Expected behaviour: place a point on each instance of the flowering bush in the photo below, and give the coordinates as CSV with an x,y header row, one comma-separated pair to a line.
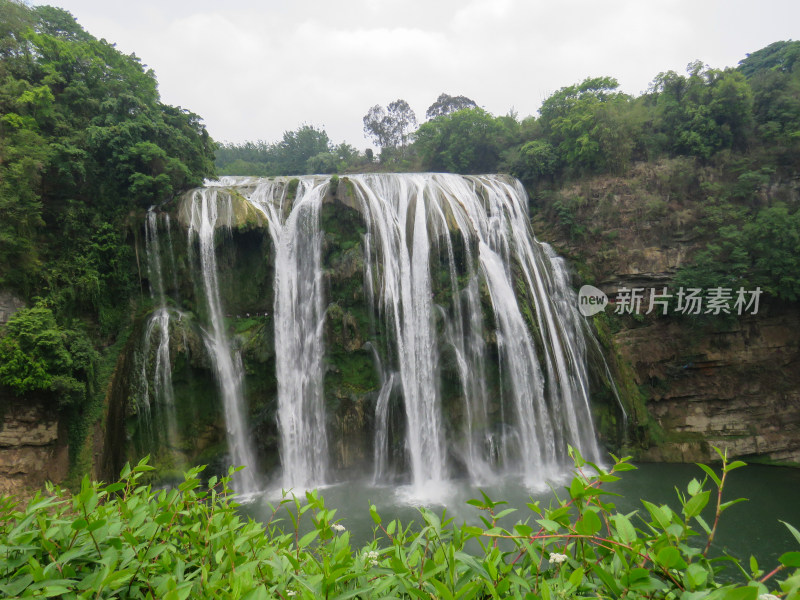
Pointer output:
x,y
126,540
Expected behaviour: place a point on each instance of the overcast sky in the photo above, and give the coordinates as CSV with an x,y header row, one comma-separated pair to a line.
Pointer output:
x,y
254,69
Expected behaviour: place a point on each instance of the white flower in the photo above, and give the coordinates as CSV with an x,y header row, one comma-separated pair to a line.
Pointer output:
x,y
291,593
337,527
768,597
557,558
374,563
372,555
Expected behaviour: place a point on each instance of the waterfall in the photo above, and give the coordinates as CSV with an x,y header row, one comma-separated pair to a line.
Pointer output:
x,y
156,382
545,381
204,220
395,211
299,320
476,334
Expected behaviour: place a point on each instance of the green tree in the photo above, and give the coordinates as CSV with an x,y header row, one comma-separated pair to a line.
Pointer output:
x,y
778,56
584,124
446,104
466,141
708,111
533,161
391,127
297,147
36,355
772,240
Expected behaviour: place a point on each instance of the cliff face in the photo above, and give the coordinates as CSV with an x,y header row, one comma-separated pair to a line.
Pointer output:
x,y
32,447
731,382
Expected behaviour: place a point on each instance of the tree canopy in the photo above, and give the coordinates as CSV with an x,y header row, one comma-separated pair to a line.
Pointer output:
x,y
391,127
83,139
446,104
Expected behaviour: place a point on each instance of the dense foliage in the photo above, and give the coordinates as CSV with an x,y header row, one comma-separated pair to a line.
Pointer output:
x,y
85,146
302,151
36,354
83,140
126,540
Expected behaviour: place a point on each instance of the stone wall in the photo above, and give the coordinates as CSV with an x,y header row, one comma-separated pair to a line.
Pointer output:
x,y
30,450
738,387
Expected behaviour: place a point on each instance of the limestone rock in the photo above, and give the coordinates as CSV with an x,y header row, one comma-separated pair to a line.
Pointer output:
x,y
30,452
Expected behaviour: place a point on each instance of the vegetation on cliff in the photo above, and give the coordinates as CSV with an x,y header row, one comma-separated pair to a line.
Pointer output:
x,y
85,140
84,143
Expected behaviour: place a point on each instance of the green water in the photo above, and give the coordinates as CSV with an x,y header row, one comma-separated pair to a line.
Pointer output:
x,y
746,528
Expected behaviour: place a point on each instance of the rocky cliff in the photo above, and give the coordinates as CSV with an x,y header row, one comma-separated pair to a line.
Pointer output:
x,y
32,446
730,381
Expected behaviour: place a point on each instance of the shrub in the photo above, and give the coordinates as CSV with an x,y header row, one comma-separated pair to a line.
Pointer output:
x,y
127,540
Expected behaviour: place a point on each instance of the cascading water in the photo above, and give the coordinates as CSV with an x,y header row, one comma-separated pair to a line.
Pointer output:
x,y
476,333
395,212
203,221
156,380
299,321
546,382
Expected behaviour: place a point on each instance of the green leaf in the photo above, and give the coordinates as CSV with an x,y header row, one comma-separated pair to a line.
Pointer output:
x,y
523,529
576,577
308,538
257,593
703,524
696,504
576,488
55,590
607,578
670,557
742,593
622,467
95,525
589,524
715,478
549,525
658,513
793,530
730,503
753,564
442,590
735,465
363,592
790,559
373,511
504,513
696,576
625,530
